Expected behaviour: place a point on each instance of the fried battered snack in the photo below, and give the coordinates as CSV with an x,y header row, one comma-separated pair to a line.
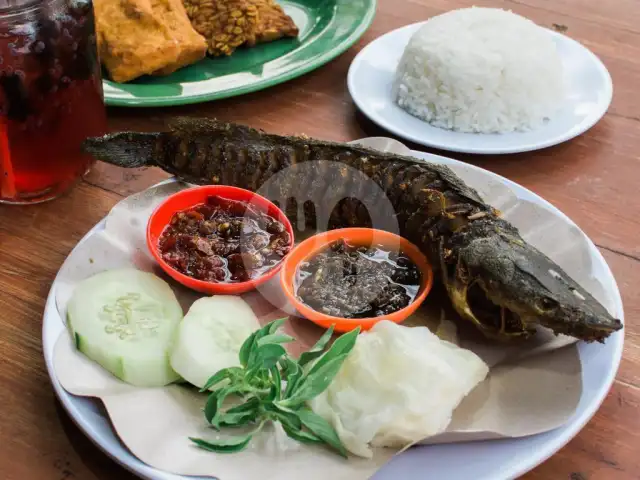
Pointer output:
x,y
139,37
132,41
226,24
192,45
273,23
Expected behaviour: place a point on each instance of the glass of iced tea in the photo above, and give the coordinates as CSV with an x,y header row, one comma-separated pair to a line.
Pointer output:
x,y
50,96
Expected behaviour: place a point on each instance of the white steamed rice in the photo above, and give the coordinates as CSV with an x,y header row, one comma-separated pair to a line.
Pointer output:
x,y
480,70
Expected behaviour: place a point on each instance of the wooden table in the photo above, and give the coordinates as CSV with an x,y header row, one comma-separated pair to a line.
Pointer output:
x,y
593,179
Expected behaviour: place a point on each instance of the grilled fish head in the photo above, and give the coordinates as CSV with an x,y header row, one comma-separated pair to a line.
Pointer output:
x,y
507,287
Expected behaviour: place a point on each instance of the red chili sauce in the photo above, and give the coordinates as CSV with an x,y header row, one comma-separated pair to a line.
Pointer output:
x,y
224,240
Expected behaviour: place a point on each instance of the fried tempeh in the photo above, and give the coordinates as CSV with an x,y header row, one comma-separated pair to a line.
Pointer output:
x,y
273,23
225,24
228,24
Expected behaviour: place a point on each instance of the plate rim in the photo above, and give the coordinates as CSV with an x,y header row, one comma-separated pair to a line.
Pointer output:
x,y
573,426
585,125
261,84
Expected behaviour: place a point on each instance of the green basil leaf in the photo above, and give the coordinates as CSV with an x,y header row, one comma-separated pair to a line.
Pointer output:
x,y
258,383
211,407
252,403
247,348
277,381
315,351
266,356
288,366
276,385
214,402
249,345
224,374
230,445
239,419
241,415
342,346
292,384
261,379
285,417
275,338
271,396
292,372
275,325
313,384
322,429
301,435
266,329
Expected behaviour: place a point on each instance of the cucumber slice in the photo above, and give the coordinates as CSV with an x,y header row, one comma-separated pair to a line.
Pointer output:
x,y
210,337
125,320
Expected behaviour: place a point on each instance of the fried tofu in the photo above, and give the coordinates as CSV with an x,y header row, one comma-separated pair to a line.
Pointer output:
x,y
192,45
139,37
132,41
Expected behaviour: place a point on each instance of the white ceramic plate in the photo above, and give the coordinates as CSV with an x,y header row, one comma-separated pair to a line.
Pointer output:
x,y
588,97
492,460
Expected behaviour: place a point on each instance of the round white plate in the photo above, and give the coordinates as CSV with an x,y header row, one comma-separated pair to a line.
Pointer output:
x,y
589,92
491,460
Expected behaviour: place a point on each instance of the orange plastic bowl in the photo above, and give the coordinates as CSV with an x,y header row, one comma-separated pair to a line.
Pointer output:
x,y
191,197
354,236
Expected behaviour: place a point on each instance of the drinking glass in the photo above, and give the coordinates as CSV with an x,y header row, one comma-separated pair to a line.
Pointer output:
x,y
50,96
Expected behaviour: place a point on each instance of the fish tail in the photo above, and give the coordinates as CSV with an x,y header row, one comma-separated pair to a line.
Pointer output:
x,y
127,149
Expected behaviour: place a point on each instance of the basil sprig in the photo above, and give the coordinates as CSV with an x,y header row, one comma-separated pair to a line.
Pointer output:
x,y
271,386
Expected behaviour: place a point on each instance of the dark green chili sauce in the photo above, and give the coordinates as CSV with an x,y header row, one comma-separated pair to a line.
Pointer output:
x,y
351,281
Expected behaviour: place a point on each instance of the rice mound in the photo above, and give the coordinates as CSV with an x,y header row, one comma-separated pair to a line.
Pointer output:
x,y
482,70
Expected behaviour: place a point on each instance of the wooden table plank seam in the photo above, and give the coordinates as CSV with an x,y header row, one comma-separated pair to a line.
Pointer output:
x,y
626,117
627,384
574,16
618,252
105,189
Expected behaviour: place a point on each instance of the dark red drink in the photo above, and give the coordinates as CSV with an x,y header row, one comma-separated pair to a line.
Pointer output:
x,y
50,96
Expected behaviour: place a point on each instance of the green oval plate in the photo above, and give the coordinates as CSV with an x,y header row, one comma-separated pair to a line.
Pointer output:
x,y
327,29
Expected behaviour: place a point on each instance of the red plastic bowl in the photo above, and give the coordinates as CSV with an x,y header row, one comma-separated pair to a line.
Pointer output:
x,y
191,197
356,236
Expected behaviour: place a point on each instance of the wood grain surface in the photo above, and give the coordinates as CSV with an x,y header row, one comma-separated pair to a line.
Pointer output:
x,y
593,179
